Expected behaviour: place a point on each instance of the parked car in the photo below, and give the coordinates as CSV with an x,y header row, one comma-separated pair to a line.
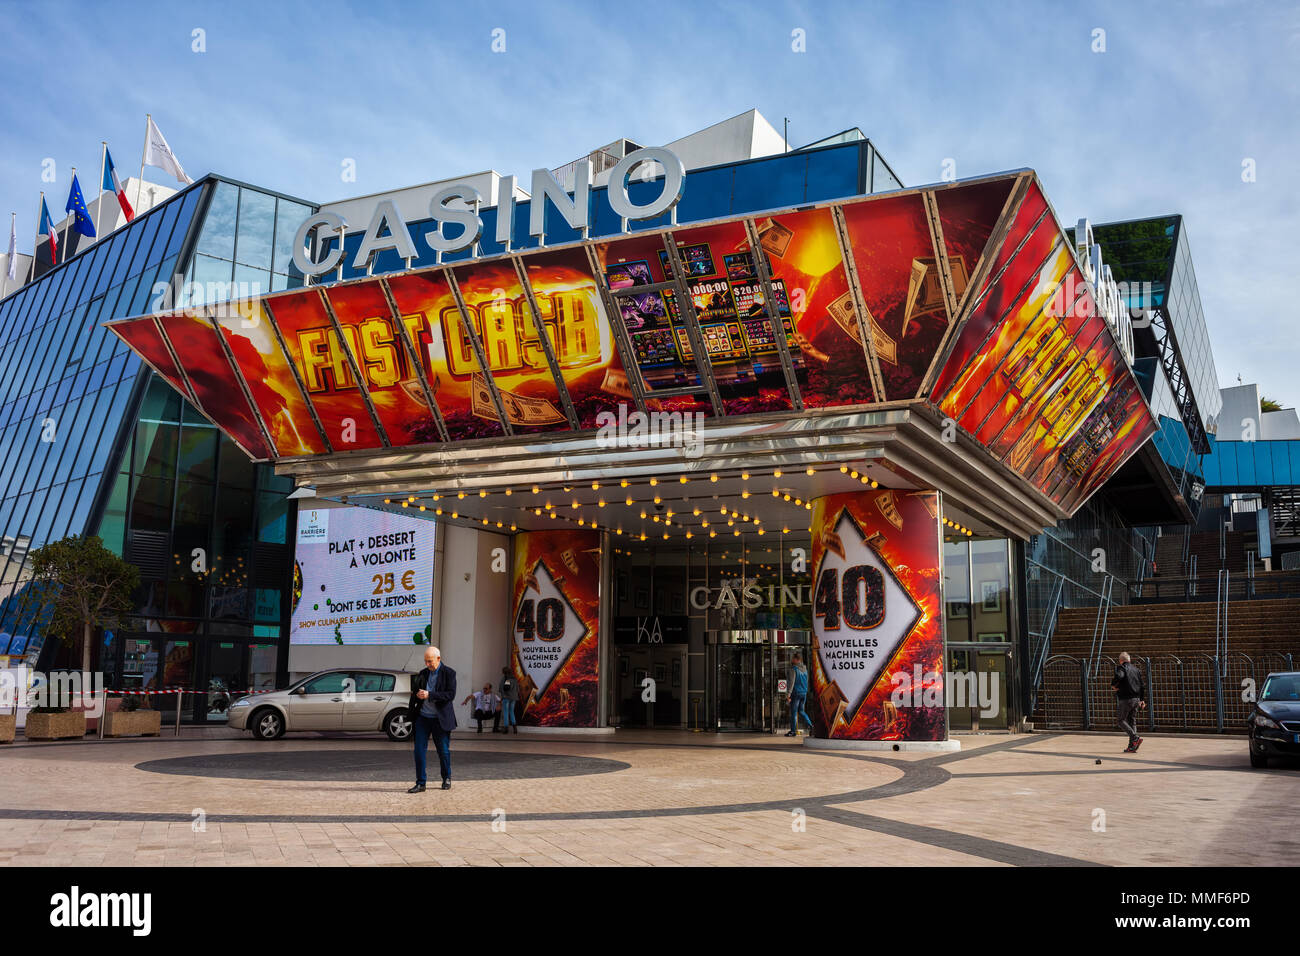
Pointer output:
x,y
1275,721
340,700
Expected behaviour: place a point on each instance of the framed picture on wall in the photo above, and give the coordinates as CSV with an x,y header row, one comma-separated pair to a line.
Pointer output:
x,y
642,599
993,637
661,672
991,597
959,609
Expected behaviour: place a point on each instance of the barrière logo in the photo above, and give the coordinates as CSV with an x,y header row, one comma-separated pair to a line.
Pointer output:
x,y
76,909
459,203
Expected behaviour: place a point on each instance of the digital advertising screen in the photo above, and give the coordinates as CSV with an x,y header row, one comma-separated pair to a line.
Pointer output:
x,y
362,576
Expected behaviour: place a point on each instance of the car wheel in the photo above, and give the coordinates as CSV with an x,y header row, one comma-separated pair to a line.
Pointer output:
x,y
398,725
267,724
1258,759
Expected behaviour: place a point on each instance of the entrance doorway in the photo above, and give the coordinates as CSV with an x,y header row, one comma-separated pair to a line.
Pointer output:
x,y
750,671
980,678
651,685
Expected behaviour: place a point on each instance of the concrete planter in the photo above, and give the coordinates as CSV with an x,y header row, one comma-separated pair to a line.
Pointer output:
x,y
136,723
8,727
56,726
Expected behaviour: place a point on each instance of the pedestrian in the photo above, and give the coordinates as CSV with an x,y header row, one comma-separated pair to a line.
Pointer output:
x,y
1130,696
797,694
433,711
487,706
509,700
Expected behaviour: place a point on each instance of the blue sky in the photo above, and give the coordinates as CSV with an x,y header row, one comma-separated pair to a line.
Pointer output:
x,y
1160,122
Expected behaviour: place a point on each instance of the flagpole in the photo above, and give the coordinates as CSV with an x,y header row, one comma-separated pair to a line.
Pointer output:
x,y
36,244
144,151
65,225
9,266
99,210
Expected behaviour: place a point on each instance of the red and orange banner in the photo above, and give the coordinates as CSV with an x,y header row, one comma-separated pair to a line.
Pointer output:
x,y
877,658
971,286
555,636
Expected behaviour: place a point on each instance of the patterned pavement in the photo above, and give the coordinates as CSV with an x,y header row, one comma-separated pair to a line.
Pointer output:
x,y
211,797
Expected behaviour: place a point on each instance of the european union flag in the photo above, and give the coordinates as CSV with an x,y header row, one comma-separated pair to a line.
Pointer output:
x,y
77,206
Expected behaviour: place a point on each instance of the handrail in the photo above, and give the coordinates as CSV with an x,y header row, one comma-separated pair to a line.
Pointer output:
x,y
1227,593
1103,615
1045,647
1218,609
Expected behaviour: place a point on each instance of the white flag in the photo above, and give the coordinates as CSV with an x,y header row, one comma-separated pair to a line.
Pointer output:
x,y
158,153
13,250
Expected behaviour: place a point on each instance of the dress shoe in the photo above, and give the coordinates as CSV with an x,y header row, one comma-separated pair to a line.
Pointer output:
x,y
418,788
446,785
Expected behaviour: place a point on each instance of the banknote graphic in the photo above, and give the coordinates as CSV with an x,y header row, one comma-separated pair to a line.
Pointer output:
x,y
774,237
616,383
519,409
845,316
924,292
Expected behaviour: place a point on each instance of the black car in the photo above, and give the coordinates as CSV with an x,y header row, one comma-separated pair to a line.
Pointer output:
x,y
1275,721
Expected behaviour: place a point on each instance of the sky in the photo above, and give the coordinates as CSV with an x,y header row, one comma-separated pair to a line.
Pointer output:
x,y
1126,110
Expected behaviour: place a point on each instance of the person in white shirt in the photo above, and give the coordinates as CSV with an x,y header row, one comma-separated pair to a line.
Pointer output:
x,y
487,706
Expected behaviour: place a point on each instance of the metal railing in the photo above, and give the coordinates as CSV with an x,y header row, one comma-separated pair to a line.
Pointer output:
x,y
1221,614
1253,585
1195,693
1044,648
1103,615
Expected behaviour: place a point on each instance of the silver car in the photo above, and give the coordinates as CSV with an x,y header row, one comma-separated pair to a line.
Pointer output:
x,y
344,699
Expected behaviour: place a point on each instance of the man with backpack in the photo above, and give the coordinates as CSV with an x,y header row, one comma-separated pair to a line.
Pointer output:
x,y
797,694
1130,696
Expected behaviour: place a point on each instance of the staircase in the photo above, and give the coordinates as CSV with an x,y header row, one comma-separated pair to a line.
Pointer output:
x,y
1266,625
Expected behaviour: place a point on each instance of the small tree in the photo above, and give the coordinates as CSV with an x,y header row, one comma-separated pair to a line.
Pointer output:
x,y
86,585
1269,405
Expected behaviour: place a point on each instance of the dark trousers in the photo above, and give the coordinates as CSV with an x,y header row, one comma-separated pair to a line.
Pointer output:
x,y
426,727
1126,716
494,715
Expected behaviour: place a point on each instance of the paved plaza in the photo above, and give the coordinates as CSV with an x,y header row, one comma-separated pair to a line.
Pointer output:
x,y
211,797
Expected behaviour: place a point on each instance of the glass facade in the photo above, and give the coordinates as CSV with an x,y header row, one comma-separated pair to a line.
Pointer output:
x,y
67,386
713,589
247,240
91,441
209,531
1152,258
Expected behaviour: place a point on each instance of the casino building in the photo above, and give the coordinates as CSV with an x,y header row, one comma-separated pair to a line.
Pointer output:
x,y
678,414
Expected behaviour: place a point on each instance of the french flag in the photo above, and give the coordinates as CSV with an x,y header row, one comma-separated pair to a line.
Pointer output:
x,y
47,230
114,185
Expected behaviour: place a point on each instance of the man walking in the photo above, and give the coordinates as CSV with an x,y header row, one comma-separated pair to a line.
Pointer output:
x,y
486,707
798,694
1130,696
433,711
509,698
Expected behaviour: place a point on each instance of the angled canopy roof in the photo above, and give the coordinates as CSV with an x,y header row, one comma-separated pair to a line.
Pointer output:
x,y
960,305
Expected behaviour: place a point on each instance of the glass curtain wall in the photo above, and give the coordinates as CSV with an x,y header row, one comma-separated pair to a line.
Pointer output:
x,y
65,388
209,531
246,245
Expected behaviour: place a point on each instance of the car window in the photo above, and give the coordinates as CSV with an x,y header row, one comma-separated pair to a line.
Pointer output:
x,y
374,683
1282,688
328,683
